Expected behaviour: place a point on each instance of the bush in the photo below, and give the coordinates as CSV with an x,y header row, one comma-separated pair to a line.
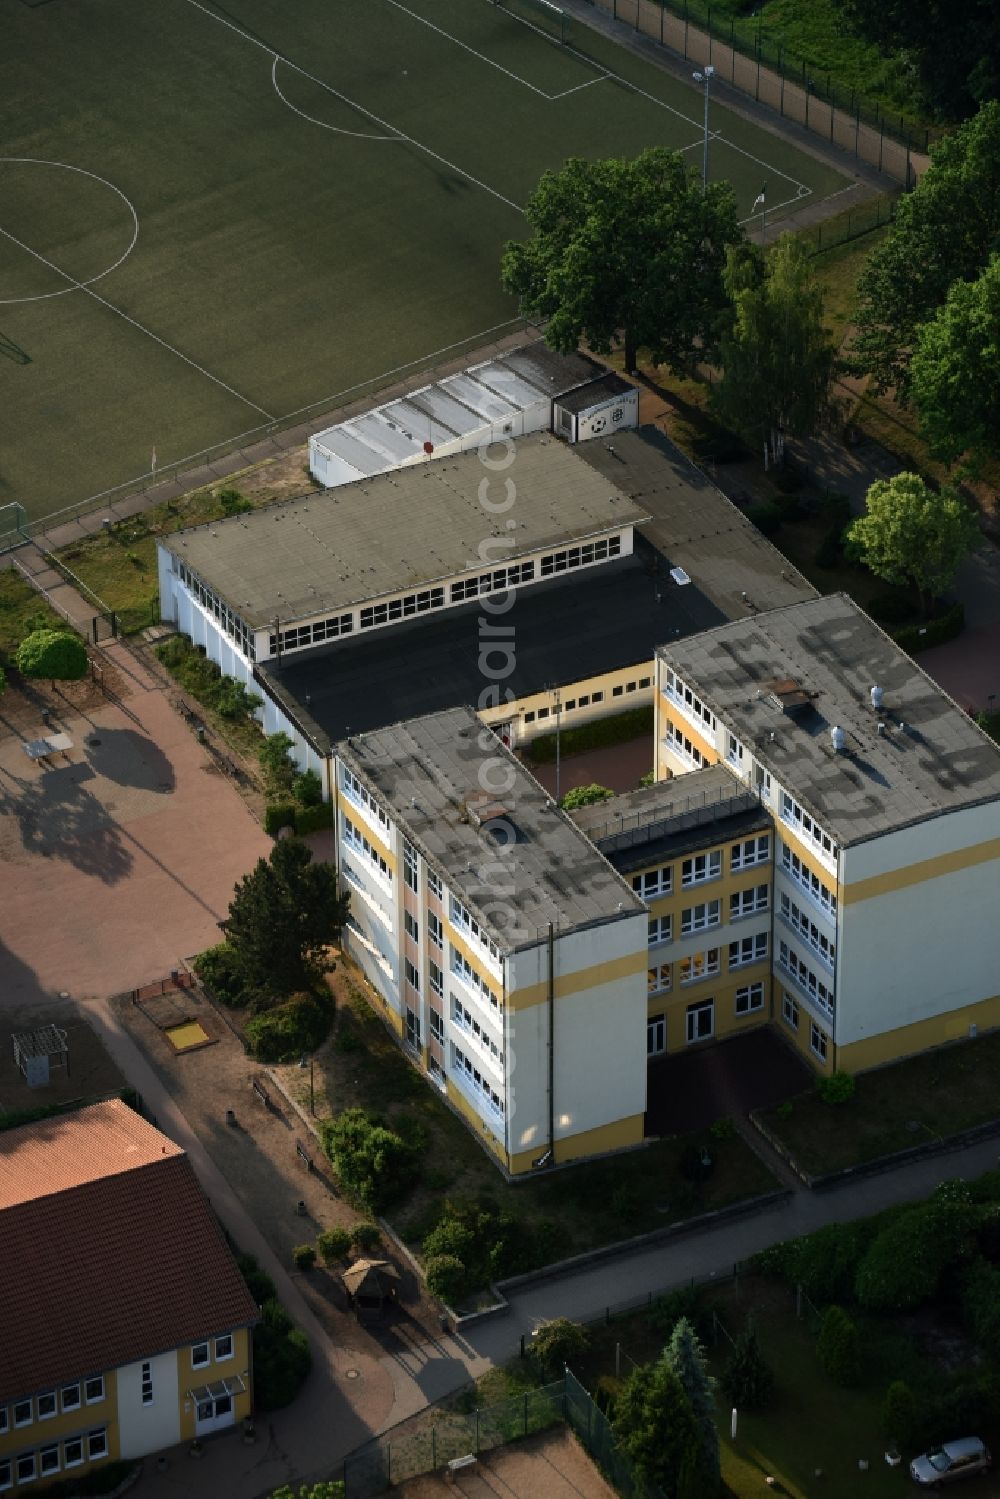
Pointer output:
x,y
890,608
54,655
447,1278
333,1244
838,1088
839,1347
765,516
304,1256
298,1025
901,1415
374,1166
365,1236
903,1266
218,969
313,819
747,1379
491,1242
787,481
585,796
980,1292
720,446
277,765
307,789
233,700
233,503
556,1343
946,626
281,1358
723,1129
278,815
668,1309
259,1283
617,729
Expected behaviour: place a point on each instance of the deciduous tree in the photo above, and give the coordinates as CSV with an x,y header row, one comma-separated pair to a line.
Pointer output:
x,y
952,45
955,371
55,655
628,252
283,917
913,534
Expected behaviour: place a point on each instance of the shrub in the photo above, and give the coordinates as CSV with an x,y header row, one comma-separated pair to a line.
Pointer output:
x,y
281,1358
278,815
921,637
218,969
491,1242
837,511
723,1129
720,446
233,699
901,1415
585,796
54,655
307,789
787,480
837,1088
298,1025
980,1292
617,729
765,516
233,503
259,1283
333,1244
374,1166
555,1343
447,1278
903,1266
839,1347
365,1236
785,1110
668,1309
696,1163
747,1379
304,1256
312,819
277,765
890,608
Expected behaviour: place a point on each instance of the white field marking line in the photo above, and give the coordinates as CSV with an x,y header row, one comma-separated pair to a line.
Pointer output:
x,y
360,135
386,124
80,286
466,48
577,87
143,478
41,161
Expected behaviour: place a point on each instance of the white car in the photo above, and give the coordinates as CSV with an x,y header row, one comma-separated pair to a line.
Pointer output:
x,y
950,1461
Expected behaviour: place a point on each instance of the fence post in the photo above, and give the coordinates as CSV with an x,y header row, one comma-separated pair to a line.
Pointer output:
x,y
525,1412
477,1421
434,1460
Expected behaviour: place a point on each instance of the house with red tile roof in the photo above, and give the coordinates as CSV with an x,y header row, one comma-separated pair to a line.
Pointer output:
x,y
125,1324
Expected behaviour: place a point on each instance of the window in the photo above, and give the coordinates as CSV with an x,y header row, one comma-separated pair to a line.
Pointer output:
x,y
700,965
412,976
72,1452
800,922
569,705
356,841
749,998
436,1023
660,930
464,1068
412,1028
807,881
411,926
25,1467
734,750
818,1041
800,971
681,745
543,713
224,1346
70,1397
461,965
6,1473
22,1413
645,682
702,867
363,797
580,556
47,1405
434,886
235,627
147,1384
529,716
597,697
697,918
412,603
48,1460
750,852
806,827
656,1036
701,1021
654,882
436,978
497,581
199,1355
685,699
3,1418
584,700
97,1444
658,978
466,922
93,1389
748,950
748,902
616,691
435,930
468,1022
789,1011
411,865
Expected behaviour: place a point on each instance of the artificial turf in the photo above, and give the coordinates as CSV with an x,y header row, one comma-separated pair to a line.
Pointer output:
x,y
320,194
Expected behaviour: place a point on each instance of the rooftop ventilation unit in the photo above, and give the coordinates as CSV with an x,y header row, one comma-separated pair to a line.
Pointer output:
x,y
838,739
789,698
877,696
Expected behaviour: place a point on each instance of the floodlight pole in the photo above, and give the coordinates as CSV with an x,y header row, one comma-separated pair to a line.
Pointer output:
x,y
558,710
705,79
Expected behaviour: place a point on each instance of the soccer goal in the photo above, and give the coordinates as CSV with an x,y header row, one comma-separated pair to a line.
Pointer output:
x,y
542,15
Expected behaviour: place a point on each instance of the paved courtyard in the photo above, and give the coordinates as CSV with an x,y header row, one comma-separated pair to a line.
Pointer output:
x,y
553,1465
119,858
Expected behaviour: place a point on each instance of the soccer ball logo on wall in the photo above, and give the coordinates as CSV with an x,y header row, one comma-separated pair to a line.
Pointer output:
x,y
597,425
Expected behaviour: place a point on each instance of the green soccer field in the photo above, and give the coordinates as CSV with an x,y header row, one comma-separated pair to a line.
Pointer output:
x,y
213,216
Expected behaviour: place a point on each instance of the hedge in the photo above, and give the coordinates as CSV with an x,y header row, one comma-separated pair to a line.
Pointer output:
x,y
617,729
298,1025
765,516
946,626
278,815
312,819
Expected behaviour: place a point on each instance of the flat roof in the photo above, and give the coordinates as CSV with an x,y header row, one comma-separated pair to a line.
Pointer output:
x,y
580,625
638,827
340,547
597,391
783,680
429,772
695,526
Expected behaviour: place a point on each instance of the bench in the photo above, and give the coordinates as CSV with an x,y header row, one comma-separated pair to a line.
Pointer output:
x,y
300,1150
458,1463
262,1094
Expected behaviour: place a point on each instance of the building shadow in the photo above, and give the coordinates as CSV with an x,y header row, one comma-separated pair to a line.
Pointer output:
x,y
726,1078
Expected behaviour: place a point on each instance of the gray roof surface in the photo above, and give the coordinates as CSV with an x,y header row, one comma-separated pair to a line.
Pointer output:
x,y
586,396
340,547
428,773
695,526
932,758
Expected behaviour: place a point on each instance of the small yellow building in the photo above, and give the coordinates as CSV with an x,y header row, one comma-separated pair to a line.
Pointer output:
x,y
126,1322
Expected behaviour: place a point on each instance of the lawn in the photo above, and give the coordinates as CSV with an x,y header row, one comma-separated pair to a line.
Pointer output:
x,y
940,1092
593,1204
22,609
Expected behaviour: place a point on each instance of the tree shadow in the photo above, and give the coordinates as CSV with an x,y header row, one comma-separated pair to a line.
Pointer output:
x,y
129,759
59,818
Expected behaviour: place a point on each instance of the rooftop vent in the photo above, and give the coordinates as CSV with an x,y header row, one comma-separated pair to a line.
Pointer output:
x,y
838,739
877,696
483,809
789,697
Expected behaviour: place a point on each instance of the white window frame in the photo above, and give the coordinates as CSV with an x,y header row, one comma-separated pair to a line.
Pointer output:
x,y
412,975
75,1401
411,866
225,1337
656,1036
822,995
200,1363
94,1399
50,1450
72,1462
749,902
818,1041
809,883
146,1382
700,965
25,1457
654,882
789,1011
734,750
749,950
801,922
749,852
435,931
6,1474
411,926
434,885
701,869
100,1434
692,1014
435,1021
49,1395
680,745
659,978
660,930
701,918
746,997
806,827
27,1420
435,978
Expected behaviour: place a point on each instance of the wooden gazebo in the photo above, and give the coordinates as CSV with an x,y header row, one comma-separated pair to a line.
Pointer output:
x,y
372,1285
